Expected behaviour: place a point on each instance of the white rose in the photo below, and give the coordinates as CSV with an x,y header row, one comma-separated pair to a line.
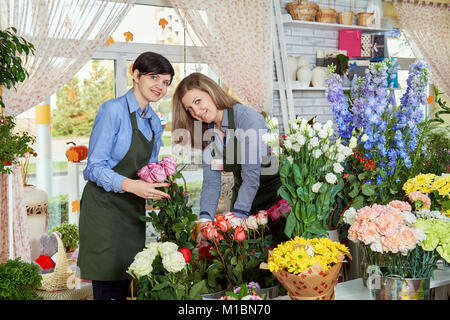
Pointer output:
x,y
251,222
364,138
234,222
140,267
153,245
166,248
149,254
352,142
337,168
315,188
350,216
173,262
331,178
316,153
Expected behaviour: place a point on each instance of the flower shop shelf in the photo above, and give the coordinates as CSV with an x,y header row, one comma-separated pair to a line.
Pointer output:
x,y
287,20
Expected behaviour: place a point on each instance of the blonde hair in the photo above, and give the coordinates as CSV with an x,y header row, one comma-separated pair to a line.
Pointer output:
x,y
183,119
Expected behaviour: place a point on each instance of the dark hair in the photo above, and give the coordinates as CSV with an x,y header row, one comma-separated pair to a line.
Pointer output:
x,y
153,63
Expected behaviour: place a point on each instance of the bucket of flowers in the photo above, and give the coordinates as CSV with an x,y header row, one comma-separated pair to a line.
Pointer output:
x,y
308,268
244,292
162,271
238,246
400,259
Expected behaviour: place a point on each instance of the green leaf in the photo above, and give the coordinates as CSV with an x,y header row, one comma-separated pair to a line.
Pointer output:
x,y
290,224
358,203
198,289
362,176
297,175
284,194
160,286
368,189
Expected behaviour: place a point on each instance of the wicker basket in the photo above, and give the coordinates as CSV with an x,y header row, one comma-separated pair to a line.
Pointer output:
x,y
57,280
365,19
302,10
326,15
345,17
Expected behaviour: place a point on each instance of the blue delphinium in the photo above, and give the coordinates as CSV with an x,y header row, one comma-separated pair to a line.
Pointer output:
x,y
339,105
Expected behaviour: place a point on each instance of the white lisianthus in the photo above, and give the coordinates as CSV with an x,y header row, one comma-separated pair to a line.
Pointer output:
x,y
315,188
317,126
290,159
269,137
296,147
323,134
166,248
364,137
314,142
350,216
316,153
328,125
338,168
311,132
288,144
173,262
272,123
340,157
140,267
352,142
331,178
300,139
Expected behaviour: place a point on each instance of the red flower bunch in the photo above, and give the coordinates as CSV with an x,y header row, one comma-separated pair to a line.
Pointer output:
x,y
278,210
368,164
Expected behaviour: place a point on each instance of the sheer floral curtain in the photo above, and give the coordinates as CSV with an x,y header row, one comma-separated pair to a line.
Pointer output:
x,y
235,35
426,26
65,34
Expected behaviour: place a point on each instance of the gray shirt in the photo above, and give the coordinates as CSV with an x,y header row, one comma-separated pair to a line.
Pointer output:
x,y
250,126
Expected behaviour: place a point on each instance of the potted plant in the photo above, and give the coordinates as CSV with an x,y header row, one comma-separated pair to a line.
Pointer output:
x,y
13,145
18,280
69,236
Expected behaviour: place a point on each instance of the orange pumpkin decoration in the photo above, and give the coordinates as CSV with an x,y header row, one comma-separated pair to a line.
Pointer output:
x,y
76,153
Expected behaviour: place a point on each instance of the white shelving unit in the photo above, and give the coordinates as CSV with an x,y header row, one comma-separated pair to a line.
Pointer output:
x,y
288,21
283,84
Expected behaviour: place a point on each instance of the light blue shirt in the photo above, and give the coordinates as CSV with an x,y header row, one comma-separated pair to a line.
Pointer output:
x,y
111,139
245,118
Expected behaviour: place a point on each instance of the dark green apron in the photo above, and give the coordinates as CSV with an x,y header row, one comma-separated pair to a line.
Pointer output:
x,y
266,196
111,233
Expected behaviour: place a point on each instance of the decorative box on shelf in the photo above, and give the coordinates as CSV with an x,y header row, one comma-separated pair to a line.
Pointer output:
x,y
357,68
366,41
350,40
378,46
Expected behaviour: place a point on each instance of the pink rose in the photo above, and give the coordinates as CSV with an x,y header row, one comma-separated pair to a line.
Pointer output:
x,y
169,164
144,174
156,172
278,210
250,222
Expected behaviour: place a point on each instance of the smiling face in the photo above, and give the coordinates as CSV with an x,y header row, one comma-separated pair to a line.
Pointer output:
x,y
200,106
150,87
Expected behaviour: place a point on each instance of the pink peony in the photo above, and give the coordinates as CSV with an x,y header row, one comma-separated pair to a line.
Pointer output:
x,y
401,205
169,164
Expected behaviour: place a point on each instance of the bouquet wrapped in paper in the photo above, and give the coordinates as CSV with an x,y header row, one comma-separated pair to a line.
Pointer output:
x,y
308,268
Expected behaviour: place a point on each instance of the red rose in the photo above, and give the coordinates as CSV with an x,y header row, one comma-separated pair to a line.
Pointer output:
x,y
239,233
186,254
203,252
222,222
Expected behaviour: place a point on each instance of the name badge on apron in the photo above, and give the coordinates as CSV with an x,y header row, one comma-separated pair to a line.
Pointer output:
x,y
217,164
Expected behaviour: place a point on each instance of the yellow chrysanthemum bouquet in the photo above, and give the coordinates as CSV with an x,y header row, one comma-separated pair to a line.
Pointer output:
x,y
308,268
429,191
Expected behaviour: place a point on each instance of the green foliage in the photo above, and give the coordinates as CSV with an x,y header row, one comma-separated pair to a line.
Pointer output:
x,y
79,102
13,145
11,69
69,235
18,280
175,219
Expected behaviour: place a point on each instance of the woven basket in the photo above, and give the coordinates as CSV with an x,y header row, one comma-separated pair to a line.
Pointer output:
x,y
326,15
345,17
302,10
365,19
57,280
